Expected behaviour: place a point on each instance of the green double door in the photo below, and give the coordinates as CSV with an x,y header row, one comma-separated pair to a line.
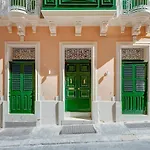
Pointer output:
x,y
78,86
22,87
134,87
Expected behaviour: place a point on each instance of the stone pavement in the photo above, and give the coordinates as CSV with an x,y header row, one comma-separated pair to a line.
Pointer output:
x,y
49,135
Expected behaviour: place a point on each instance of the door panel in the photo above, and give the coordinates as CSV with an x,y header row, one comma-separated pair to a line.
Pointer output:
x,y
78,87
134,88
22,87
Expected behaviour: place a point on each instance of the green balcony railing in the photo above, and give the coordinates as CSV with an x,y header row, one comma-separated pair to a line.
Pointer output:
x,y
78,4
132,6
18,4
28,6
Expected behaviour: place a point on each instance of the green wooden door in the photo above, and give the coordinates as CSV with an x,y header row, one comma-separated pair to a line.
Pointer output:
x,y
134,88
78,87
22,87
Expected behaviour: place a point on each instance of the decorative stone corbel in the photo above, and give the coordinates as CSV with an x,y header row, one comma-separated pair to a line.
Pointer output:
x,y
136,30
21,31
33,28
123,27
103,28
78,28
9,27
52,28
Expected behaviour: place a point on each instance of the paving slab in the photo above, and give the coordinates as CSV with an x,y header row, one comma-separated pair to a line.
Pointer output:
x,y
107,132
114,129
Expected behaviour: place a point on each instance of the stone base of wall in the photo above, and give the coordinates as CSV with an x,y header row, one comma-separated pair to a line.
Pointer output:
x,y
107,111
127,118
45,114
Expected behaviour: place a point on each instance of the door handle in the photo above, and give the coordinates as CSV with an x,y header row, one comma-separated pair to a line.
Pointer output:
x,y
71,88
71,81
84,81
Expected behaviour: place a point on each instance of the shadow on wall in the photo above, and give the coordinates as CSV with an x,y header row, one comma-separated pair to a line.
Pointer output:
x,y
102,78
49,82
105,76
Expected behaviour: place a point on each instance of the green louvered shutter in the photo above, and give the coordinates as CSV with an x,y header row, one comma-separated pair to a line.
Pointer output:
x,y
22,87
134,88
15,88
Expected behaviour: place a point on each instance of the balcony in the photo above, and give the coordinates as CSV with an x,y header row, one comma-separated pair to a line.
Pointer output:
x,y
24,6
79,5
19,7
129,7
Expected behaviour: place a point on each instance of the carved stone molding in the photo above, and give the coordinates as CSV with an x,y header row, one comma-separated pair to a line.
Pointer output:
x,y
23,54
77,53
52,28
103,28
132,54
78,28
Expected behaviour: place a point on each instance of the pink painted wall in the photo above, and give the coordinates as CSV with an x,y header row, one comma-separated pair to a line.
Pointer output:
x,y
49,52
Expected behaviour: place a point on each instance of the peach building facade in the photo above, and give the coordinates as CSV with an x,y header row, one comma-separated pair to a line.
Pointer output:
x,y
70,74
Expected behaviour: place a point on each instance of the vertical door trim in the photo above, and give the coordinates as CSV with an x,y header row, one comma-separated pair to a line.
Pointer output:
x,y
93,46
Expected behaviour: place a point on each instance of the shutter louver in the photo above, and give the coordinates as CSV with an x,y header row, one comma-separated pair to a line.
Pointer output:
x,y
15,77
127,71
128,85
28,78
140,71
140,85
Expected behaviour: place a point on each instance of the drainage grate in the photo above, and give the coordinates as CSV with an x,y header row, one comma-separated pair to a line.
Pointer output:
x,y
77,129
137,125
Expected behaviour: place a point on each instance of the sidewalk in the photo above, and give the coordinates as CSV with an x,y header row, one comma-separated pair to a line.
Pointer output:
x,y
49,135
